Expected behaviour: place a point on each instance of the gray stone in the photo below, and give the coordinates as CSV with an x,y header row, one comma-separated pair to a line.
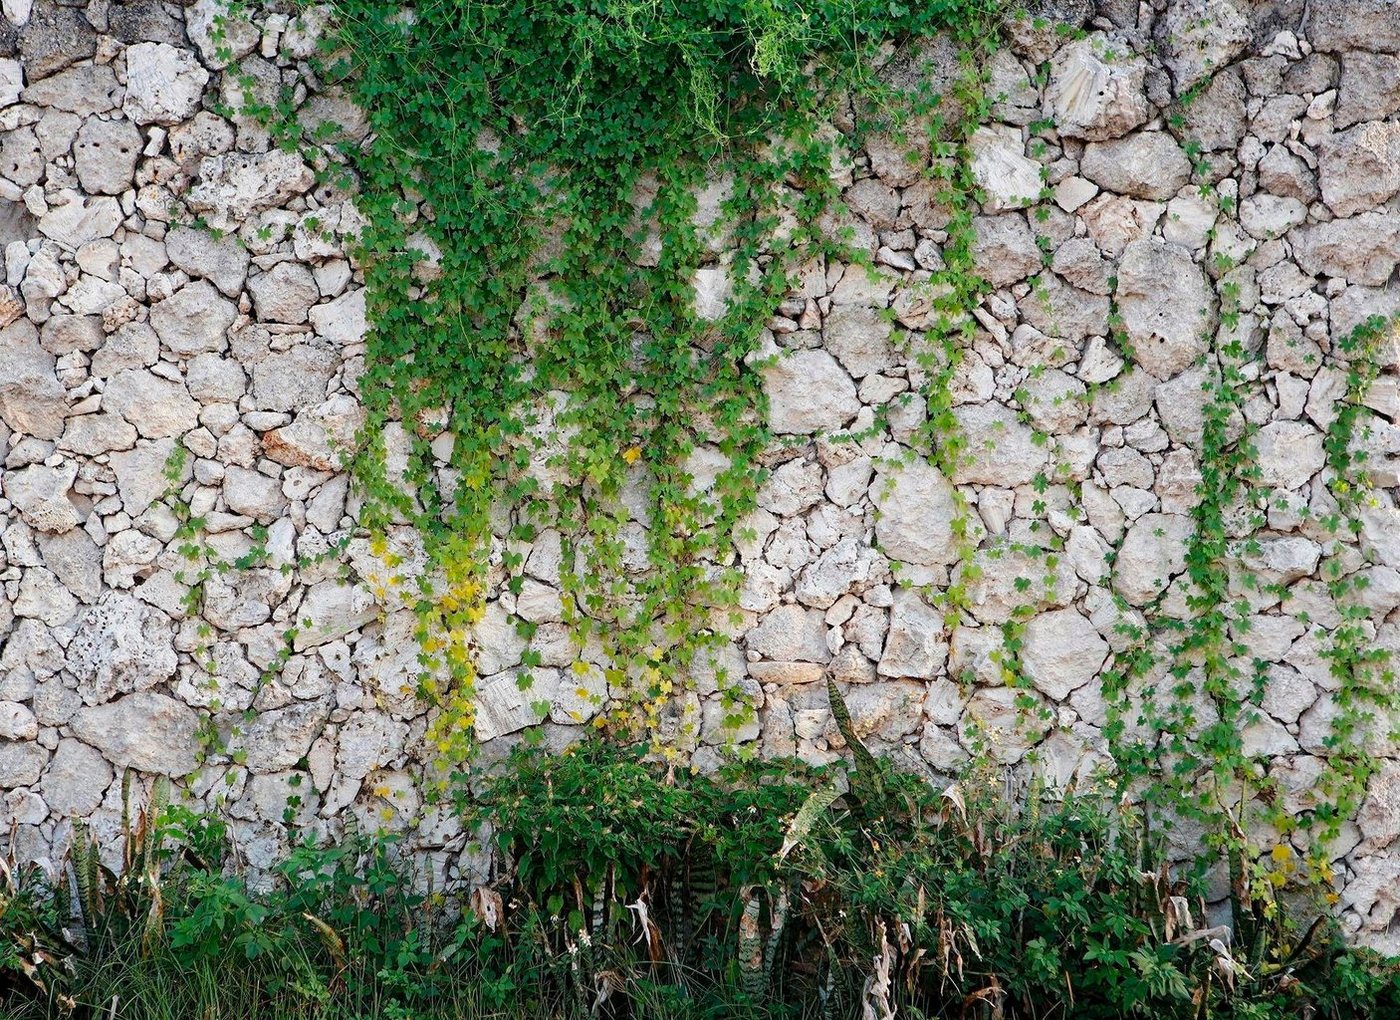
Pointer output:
x,y
285,293
1364,248
73,220
1000,449
1369,89
1062,651
1340,25
121,645
232,187
1167,305
293,380
76,779
808,392
1153,552
341,321
859,337
222,35
1288,453
1010,179
848,565
1005,249
194,320
1148,164
916,645
40,494
1096,89
105,155
916,513
85,90
142,474
163,84
75,560
1066,313
278,739
157,406
1359,169
32,401
1198,37
790,634
332,610
221,260
21,763
254,494
145,731
17,722
1215,120
53,38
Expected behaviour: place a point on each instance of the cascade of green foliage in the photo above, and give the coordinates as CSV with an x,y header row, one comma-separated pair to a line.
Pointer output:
x,y
530,250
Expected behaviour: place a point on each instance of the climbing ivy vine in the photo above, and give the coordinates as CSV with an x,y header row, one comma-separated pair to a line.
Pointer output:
x,y
531,250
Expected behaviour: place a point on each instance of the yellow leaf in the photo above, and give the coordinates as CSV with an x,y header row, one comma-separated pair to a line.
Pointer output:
x,y
632,454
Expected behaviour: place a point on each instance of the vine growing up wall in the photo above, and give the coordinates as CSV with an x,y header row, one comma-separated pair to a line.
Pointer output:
x,y
532,247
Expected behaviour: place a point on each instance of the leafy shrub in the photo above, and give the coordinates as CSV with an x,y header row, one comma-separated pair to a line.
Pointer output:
x,y
626,887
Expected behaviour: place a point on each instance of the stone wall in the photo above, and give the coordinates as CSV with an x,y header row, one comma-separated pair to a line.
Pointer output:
x,y
133,332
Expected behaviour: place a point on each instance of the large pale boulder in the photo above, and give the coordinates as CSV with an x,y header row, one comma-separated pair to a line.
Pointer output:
x,y
1000,449
146,731
1153,552
916,513
77,777
1167,305
1148,165
916,645
1337,26
1097,89
1062,652
1359,169
194,320
1009,177
1198,37
1364,248
808,392
120,646
1288,453
31,397
163,84
40,494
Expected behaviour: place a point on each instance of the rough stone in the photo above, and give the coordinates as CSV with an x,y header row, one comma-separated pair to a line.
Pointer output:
x,y
76,779
120,646
1167,306
194,320
1061,652
1359,169
1153,552
1097,90
105,155
163,84
916,513
1002,169
808,392
32,401
1198,37
915,645
146,731
1148,164
221,260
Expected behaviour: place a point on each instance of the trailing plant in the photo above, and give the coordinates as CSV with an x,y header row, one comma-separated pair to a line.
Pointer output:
x,y
532,245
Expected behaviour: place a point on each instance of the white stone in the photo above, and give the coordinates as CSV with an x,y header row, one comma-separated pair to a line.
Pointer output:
x,y
146,731
1002,169
163,84
808,392
916,513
